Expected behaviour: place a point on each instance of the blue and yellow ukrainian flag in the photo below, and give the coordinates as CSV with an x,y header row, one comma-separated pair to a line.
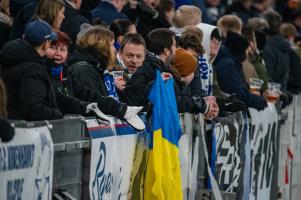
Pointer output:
x,y
163,175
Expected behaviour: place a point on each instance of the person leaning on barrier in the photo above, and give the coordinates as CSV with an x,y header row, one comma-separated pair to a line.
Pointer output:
x,y
30,92
60,78
162,46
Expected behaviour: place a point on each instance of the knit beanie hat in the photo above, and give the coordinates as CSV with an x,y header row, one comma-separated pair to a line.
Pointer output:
x,y
184,62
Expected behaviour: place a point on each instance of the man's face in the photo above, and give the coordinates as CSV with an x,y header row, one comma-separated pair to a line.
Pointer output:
x,y
214,46
171,53
132,55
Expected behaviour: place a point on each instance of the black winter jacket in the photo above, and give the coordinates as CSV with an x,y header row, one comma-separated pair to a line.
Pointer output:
x,y
86,74
277,59
138,87
231,80
29,90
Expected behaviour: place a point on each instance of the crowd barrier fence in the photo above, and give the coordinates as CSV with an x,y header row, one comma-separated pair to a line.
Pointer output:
x,y
245,155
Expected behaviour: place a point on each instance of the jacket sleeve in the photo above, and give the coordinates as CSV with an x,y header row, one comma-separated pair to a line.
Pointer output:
x,y
137,88
230,82
70,105
269,59
188,103
33,92
107,105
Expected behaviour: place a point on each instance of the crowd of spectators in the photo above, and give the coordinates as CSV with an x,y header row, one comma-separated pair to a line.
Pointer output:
x,y
100,57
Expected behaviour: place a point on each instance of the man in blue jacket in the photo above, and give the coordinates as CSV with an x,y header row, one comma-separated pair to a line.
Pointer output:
x,y
229,71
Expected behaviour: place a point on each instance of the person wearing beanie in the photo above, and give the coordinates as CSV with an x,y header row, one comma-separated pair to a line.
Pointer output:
x,y
185,65
229,71
183,68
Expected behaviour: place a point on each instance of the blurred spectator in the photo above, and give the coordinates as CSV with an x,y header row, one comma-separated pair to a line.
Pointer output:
x,y
91,60
186,16
109,10
229,23
229,71
260,27
73,18
241,9
260,6
162,45
145,15
22,11
3,100
51,12
87,6
289,32
191,40
254,57
30,95
215,9
167,8
121,27
211,43
278,55
5,25
295,18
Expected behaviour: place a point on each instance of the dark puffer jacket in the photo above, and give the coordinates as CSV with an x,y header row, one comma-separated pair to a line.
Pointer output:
x,y
138,87
86,74
29,90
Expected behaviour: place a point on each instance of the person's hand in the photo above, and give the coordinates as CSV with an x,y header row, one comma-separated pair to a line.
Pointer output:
x,y
120,83
132,118
213,107
165,76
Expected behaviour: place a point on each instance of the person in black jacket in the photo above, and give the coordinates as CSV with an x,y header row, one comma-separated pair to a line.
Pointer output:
x,y
162,46
73,18
63,83
229,71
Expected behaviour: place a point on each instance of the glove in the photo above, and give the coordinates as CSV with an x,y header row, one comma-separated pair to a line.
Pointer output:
x,y
7,132
286,97
100,117
133,119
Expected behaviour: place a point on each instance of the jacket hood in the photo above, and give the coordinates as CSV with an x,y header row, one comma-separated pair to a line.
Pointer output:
x,y
88,55
18,51
207,30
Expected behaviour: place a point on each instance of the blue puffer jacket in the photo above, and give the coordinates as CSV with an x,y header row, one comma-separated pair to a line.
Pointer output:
x,y
231,81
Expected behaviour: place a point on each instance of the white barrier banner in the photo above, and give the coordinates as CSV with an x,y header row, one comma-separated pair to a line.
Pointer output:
x,y
263,143
111,161
26,165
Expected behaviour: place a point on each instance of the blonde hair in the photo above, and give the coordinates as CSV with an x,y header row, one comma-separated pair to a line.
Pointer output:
x,y
187,15
287,30
48,10
3,100
229,23
99,40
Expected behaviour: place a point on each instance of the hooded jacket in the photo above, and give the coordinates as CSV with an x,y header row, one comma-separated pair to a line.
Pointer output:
x,y
29,90
86,74
277,59
204,62
138,87
229,72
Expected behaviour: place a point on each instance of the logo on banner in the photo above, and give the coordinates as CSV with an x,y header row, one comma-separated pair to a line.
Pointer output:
x,y
42,180
228,159
103,182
